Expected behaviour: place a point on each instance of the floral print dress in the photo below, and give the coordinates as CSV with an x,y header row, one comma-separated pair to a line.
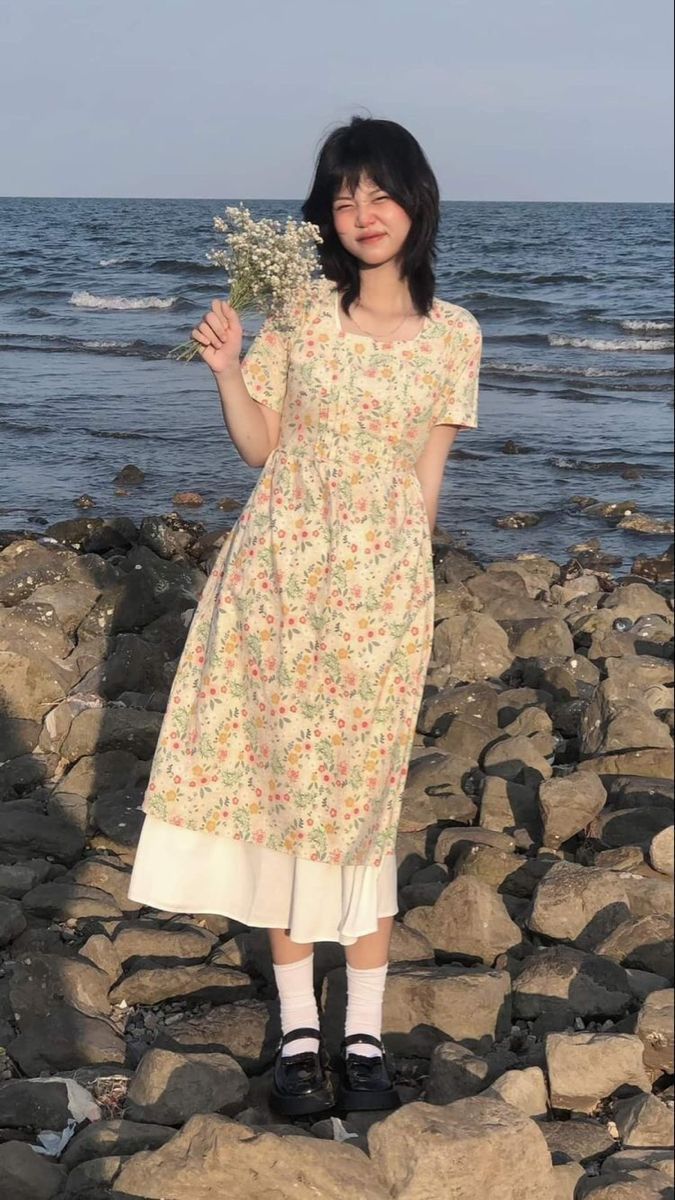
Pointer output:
x,y
292,713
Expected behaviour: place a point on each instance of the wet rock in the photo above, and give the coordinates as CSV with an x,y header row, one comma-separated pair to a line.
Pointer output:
x,y
211,1152
643,523
168,1088
25,1175
569,983
412,1148
655,1030
568,805
584,1068
579,904
517,520
644,1121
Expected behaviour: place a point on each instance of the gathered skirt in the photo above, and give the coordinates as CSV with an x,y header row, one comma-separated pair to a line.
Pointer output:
x,y
191,871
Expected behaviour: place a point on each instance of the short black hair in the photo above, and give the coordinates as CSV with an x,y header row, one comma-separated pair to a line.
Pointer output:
x,y
389,155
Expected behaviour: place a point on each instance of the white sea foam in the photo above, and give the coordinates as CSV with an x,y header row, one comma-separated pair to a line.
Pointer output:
x,y
542,369
88,300
646,326
105,345
582,343
108,262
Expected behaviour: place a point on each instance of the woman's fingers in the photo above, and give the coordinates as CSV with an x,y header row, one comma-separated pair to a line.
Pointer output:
x,y
215,323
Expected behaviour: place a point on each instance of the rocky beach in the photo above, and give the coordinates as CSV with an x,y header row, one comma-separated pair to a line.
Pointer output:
x,y
529,1003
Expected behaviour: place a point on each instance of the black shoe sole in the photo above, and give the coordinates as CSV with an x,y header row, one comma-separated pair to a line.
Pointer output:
x,y
365,1101
299,1106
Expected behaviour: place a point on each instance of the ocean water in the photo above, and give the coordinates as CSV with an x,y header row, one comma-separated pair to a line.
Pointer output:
x,y
576,306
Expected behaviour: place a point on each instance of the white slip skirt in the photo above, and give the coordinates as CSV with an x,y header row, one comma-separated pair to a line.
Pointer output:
x,y
191,871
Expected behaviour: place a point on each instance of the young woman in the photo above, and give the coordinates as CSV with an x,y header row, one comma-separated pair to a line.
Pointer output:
x,y
276,785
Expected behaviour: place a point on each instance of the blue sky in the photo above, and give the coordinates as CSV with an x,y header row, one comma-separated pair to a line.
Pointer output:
x,y
510,99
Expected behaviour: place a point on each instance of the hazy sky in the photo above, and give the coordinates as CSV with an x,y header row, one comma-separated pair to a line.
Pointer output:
x,y
510,99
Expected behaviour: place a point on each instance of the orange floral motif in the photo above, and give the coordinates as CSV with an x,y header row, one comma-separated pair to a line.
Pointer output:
x,y
293,709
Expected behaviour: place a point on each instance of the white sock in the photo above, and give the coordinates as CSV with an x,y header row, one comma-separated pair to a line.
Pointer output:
x,y
365,993
295,983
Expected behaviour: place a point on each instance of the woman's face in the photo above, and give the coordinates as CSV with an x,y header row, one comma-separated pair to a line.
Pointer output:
x,y
370,211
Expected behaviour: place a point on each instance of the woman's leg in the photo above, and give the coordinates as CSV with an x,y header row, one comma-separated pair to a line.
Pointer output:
x,y
367,961
294,974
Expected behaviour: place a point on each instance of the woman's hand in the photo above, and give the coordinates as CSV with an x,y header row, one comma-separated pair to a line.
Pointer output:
x,y
220,335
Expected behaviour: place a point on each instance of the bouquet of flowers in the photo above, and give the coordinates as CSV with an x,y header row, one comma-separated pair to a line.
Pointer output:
x,y
268,264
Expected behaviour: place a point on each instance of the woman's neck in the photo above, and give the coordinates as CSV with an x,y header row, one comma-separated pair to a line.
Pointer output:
x,y
383,294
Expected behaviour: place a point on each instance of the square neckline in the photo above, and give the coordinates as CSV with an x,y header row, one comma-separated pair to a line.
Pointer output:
x,y
369,337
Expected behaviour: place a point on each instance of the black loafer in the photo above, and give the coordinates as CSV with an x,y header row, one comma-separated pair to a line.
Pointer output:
x,y
300,1084
365,1082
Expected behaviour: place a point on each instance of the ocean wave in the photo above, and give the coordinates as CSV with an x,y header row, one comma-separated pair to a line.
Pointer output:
x,y
529,369
491,302
109,262
179,266
106,345
647,326
60,344
566,463
586,343
560,277
89,300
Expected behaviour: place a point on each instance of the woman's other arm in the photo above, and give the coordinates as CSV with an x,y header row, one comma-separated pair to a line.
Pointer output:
x,y
430,466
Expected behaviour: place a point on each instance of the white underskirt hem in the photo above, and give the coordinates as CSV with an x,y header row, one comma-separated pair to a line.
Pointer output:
x,y
190,871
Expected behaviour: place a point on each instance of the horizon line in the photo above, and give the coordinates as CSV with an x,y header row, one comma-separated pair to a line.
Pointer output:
x,y
297,200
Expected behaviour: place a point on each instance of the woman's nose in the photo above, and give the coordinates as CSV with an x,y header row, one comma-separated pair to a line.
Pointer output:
x,y
363,215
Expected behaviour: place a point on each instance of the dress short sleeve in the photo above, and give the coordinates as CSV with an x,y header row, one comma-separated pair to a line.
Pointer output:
x,y
265,365
458,398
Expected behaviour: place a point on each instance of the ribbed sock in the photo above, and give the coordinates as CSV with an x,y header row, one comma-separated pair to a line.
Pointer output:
x,y
295,983
365,994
